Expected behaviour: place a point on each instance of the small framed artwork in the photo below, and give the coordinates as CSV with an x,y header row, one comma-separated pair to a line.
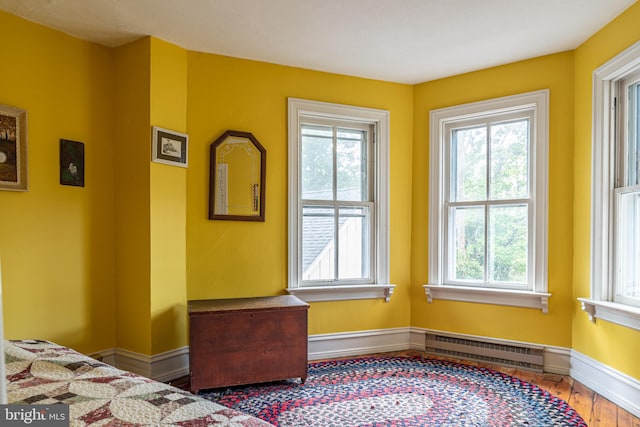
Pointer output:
x,y
71,163
169,147
13,148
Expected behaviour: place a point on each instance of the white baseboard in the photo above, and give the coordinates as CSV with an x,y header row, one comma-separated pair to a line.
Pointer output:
x,y
134,362
417,339
160,367
557,360
170,364
326,346
175,363
619,388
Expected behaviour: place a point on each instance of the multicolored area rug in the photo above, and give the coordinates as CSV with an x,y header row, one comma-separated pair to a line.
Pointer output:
x,y
400,391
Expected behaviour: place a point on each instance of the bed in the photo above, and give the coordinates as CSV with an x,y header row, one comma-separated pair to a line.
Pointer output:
x,y
42,372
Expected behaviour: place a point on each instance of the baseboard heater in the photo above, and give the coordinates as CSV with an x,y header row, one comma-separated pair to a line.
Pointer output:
x,y
485,350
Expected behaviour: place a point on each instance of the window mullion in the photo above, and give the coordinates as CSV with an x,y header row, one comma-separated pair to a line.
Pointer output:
x,y
486,206
336,255
336,209
447,212
486,243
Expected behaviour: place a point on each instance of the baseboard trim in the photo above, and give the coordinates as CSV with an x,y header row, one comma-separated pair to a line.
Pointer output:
x,y
175,363
134,362
619,388
170,364
557,360
417,339
163,367
327,346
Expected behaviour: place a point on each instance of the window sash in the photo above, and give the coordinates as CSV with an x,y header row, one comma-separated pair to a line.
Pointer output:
x,y
489,247
626,99
625,196
347,222
487,202
339,201
627,236
336,134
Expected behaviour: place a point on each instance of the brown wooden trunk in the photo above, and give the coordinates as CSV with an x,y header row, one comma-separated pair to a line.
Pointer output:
x,y
247,341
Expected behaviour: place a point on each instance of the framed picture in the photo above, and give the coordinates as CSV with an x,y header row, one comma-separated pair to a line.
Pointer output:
x,y
169,147
13,149
71,163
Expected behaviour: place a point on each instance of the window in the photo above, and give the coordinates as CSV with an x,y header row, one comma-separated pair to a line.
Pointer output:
x,y
338,202
627,192
488,198
615,236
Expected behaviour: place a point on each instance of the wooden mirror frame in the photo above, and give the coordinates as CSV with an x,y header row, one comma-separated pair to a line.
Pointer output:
x,y
212,177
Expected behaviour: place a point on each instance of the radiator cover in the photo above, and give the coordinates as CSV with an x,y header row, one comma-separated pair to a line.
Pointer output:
x,y
486,350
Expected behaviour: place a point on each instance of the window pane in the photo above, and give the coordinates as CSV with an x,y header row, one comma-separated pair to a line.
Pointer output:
x,y
353,243
469,164
629,246
351,163
508,230
633,147
468,243
318,243
509,160
316,165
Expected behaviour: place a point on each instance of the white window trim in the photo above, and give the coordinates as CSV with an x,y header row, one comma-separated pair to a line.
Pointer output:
x,y
538,297
380,118
344,292
509,297
600,305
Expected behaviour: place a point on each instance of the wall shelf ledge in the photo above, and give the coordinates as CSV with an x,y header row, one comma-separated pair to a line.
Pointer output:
x,y
508,297
338,293
613,312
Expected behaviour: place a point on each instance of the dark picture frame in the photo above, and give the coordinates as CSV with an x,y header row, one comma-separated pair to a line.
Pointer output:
x,y
13,149
71,163
169,147
227,199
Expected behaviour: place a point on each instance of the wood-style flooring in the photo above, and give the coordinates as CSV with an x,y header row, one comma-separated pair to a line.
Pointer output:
x,y
593,408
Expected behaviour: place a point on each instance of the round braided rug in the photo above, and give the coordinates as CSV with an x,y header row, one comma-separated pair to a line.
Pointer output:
x,y
400,391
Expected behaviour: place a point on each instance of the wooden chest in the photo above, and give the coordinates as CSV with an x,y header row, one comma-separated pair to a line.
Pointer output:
x,y
247,341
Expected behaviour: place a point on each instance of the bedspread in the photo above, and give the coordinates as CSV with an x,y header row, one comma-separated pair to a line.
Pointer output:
x,y
42,372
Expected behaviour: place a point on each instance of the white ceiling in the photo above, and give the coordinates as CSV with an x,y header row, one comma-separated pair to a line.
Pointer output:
x,y
405,41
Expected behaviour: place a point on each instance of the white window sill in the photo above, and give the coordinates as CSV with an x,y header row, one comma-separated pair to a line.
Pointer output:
x,y
527,299
339,293
613,312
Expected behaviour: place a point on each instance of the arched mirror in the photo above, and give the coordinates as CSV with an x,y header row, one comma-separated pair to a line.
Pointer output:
x,y
238,170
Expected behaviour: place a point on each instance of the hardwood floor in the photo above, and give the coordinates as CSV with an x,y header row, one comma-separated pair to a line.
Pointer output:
x,y
593,408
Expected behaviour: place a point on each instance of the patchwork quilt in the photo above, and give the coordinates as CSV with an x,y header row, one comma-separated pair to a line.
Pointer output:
x,y
42,372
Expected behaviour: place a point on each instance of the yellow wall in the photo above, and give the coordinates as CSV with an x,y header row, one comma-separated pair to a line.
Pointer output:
x,y
608,343
57,242
132,136
239,259
150,206
103,266
168,207
554,72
